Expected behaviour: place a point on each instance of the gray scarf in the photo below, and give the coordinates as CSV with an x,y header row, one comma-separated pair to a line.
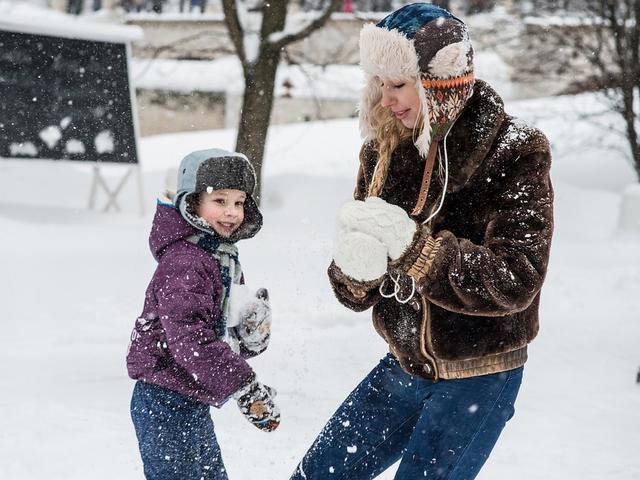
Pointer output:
x,y
230,270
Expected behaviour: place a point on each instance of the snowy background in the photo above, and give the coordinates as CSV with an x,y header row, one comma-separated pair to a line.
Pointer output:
x,y
73,283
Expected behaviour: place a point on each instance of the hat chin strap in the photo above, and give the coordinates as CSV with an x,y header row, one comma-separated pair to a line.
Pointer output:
x,y
426,181
426,178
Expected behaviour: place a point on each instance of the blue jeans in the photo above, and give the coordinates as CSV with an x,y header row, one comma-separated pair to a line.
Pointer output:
x,y
439,430
175,435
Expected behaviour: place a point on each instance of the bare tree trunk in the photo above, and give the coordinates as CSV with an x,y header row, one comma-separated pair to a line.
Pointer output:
x,y
630,120
255,115
260,72
615,52
634,82
623,17
259,82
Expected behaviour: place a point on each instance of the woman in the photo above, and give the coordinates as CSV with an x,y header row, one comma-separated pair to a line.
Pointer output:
x,y
451,262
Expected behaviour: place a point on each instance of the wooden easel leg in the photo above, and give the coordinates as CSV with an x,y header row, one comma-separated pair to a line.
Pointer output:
x,y
112,194
140,189
94,187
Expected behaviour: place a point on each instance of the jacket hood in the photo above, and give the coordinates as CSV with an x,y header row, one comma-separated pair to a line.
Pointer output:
x,y
215,169
168,227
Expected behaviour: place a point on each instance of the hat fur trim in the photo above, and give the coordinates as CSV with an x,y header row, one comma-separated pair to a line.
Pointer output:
x,y
388,54
371,94
423,141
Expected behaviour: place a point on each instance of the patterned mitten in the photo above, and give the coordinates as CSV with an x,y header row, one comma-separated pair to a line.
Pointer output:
x,y
360,257
384,221
255,401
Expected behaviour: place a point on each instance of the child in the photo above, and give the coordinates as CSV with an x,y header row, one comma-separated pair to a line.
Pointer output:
x,y
180,352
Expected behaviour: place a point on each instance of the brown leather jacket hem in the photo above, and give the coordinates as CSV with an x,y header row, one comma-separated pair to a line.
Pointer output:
x,y
448,370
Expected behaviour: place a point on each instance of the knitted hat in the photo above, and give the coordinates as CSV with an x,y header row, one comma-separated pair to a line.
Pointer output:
x,y
423,42
216,169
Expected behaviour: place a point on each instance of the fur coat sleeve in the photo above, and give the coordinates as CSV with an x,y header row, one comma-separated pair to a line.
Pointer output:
x,y
501,270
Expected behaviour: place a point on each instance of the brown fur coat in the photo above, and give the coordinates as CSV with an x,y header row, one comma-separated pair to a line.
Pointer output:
x,y
480,263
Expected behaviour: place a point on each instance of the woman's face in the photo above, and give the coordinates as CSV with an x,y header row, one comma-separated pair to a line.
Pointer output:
x,y
223,210
401,97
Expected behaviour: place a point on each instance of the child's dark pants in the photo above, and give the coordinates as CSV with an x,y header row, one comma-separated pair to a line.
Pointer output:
x,y
175,435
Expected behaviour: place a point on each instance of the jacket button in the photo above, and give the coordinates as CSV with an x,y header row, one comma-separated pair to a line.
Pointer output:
x,y
427,368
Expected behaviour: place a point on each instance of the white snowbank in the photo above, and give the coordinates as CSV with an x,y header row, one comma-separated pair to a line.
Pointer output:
x,y
225,75
73,282
28,18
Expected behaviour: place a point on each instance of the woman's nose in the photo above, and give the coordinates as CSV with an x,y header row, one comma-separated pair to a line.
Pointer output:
x,y
387,98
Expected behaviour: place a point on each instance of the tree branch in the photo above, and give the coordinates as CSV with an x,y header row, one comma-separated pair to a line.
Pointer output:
x,y
305,32
634,41
234,27
172,47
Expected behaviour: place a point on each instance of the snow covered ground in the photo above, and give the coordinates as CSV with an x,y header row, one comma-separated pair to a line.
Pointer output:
x,y
73,283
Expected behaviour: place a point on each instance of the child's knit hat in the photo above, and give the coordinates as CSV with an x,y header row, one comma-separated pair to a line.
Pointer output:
x,y
216,169
424,42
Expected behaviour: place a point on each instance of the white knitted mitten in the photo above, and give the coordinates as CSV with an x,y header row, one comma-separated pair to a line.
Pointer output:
x,y
384,221
360,256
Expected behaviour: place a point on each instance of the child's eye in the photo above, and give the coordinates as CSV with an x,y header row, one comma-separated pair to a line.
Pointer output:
x,y
240,204
219,201
399,85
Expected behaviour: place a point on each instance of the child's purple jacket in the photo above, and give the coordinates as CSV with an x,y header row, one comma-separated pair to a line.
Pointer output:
x,y
174,342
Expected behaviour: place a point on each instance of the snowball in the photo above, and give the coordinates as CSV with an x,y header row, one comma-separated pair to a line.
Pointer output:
x,y
242,300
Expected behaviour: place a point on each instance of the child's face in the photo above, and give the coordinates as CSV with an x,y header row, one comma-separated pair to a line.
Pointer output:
x,y
223,210
401,97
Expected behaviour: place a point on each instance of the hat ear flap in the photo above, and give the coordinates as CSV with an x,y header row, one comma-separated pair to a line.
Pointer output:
x,y
252,219
371,95
423,141
451,61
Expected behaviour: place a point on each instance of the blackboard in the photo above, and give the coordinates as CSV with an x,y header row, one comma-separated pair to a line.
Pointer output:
x,y
65,99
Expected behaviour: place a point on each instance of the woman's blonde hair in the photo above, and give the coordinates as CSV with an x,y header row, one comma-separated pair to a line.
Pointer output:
x,y
389,133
